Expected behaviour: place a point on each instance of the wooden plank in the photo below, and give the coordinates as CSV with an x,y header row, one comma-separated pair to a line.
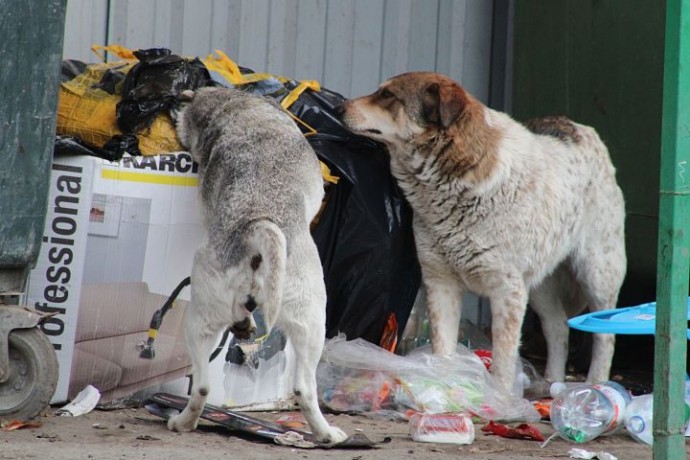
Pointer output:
x,y
674,239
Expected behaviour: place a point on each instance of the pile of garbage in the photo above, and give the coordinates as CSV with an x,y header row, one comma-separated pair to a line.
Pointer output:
x,y
364,231
442,397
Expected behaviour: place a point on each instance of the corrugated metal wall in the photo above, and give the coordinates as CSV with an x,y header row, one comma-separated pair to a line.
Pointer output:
x,y
348,45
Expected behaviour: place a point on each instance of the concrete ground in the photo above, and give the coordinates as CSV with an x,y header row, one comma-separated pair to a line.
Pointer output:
x,y
136,434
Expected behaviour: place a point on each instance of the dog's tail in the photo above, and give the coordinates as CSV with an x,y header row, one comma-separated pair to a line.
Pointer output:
x,y
266,257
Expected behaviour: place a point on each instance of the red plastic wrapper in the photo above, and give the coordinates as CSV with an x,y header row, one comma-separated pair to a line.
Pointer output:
x,y
522,431
485,356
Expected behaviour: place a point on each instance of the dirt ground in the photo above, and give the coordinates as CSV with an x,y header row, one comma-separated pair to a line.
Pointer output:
x,y
135,434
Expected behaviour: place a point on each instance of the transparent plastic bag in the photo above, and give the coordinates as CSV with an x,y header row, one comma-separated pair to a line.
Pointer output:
x,y
357,376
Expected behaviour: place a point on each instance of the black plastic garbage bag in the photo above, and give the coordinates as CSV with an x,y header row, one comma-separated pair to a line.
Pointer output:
x,y
364,234
113,150
153,84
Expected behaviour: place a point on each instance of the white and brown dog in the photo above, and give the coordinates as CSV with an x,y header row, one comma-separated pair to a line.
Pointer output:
x,y
509,213
260,187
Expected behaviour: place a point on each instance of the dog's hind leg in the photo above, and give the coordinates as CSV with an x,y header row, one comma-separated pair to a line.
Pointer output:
x,y
547,300
601,267
307,337
603,345
303,320
200,341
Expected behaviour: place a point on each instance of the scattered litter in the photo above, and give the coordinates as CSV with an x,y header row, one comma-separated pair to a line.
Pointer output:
x,y
98,426
292,420
585,412
357,376
549,439
442,428
238,421
489,450
82,404
146,437
587,455
522,431
543,406
18,425
294,439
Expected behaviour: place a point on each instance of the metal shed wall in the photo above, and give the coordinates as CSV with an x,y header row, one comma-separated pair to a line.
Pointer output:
x,y
347,45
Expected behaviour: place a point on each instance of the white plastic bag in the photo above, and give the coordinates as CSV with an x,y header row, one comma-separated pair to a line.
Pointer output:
x,y
357,376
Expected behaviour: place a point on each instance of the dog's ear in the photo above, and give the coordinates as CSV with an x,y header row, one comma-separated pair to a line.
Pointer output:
x,y
186,96
443,104
182,99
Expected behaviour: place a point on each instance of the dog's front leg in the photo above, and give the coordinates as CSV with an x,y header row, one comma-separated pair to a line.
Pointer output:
x,y
200,341
508,306
443,293
444,307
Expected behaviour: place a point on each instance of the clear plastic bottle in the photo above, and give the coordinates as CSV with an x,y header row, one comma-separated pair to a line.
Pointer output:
x,y
638,418
584,412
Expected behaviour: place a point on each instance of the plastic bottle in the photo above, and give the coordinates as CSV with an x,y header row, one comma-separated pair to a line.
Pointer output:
x,y
638,418
584,412
557,388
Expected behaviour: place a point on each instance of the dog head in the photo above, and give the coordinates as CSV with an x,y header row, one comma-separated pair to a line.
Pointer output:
x,y
406,107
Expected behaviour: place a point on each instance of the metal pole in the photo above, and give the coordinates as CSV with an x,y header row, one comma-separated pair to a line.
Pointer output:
x,y
674,238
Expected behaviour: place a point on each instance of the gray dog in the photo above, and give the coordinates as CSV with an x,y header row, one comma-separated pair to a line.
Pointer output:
x,y
260,187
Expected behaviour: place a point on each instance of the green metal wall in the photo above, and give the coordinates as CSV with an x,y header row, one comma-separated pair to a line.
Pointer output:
x,y
31,35
600,62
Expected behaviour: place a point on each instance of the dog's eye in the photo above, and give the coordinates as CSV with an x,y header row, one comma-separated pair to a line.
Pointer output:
x,y
385,94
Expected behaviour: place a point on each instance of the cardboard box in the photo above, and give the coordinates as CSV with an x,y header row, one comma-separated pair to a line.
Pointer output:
x,y
118,239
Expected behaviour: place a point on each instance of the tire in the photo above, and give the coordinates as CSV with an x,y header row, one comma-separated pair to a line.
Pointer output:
x,y
33,375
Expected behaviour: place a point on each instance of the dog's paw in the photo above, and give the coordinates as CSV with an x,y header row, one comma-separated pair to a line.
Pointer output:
x,y
181,424
333,435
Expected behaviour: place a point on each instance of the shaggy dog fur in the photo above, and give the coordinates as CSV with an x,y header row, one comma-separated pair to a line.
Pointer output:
x,y
260,188
506,212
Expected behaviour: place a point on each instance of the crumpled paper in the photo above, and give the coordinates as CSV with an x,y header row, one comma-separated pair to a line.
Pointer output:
x,y
582,453
82,404
292,438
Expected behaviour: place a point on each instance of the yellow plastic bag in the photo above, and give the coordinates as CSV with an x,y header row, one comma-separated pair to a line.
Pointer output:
x,y
87,112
